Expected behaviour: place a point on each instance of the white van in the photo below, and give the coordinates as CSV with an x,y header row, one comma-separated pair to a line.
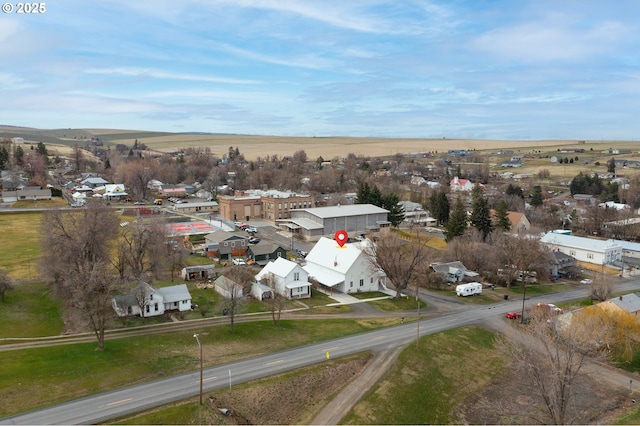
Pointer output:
x,y
469,289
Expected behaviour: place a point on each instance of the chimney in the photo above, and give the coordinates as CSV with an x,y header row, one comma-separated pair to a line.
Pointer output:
x,y
455,180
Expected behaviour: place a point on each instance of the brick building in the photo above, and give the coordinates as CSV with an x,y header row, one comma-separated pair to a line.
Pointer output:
x,y
257,204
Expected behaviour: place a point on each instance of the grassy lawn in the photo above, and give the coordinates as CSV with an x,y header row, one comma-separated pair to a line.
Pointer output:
x,y
20,249
32,378
30,311
406,303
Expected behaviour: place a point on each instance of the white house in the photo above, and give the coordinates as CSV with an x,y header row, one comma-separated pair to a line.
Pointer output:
x,y
288,278
114,191
460,185
146,300
589,250
347,269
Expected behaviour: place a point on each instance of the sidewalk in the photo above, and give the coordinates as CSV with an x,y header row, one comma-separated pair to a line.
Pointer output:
x,y
347,299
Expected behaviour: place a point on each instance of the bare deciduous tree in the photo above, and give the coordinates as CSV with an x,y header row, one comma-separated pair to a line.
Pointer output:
x,y
6,284
142,247
601,288
237,279
399,259
276,302
76,245
552,357
92,293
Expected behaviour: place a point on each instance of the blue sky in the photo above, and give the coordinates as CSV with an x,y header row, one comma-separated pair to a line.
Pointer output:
x,y
516,69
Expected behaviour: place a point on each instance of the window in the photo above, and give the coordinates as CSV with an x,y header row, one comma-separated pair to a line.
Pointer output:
x,y
371,280
151,296
572,252
296,276
147,308
350,283
361,283
589,255
156,307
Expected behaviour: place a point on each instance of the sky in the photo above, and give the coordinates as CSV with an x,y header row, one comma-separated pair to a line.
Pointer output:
x,y
503,69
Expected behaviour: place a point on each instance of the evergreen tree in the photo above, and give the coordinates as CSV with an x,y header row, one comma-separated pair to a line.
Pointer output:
x,y
536,196
375,197
611,165
481,216
4,157
18,156
457,223
42,149
391,202
502,216
439,207
514,190
363,193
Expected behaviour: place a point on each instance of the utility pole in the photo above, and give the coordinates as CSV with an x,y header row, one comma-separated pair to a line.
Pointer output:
x,y
200,345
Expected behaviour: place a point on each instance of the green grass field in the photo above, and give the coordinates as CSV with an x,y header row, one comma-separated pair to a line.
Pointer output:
x,y
30,311
20,249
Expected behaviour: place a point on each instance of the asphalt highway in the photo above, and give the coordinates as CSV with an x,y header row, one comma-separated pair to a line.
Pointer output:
x,y
105,406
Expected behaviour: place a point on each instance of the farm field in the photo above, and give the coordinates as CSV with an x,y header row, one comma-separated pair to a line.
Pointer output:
x,y
327,147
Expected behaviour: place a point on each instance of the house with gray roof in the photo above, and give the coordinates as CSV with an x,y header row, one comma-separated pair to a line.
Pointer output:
x,y
147,301
287,278
265,251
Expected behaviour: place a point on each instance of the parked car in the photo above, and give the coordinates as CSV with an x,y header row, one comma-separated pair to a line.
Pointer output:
x,y
513,315
586,281
251,229
243,226
553,308
239,262
254,240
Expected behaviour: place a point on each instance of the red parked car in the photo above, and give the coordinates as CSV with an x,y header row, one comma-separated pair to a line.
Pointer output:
x,y
513,315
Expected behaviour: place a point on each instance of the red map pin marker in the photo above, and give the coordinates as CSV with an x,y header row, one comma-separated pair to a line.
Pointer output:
x,y
341,237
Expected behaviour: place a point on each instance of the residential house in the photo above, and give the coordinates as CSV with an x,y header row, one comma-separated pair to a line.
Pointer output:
x,y
589,250
287,278
629,303
347,268
146,300
265,251
94,182
453,272
28,194
225,245
460,185
561,265
518,221
114,191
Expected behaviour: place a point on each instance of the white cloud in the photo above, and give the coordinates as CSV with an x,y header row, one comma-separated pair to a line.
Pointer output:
x,y
154,73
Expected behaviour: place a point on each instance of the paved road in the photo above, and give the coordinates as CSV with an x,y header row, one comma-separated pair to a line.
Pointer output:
x,y
105,406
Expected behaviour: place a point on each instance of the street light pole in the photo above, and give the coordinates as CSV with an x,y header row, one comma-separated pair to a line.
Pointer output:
x,y
200,345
